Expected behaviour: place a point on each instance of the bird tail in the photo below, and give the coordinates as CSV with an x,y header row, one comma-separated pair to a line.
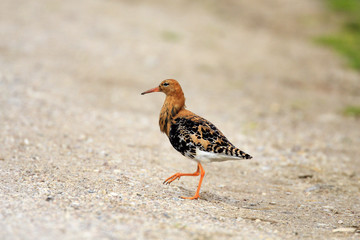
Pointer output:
x,y
237,152
233,151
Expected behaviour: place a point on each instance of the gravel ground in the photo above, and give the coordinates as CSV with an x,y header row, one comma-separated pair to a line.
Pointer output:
x,y
81,154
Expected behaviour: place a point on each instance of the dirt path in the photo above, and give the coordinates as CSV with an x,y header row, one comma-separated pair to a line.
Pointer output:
x,y
81,155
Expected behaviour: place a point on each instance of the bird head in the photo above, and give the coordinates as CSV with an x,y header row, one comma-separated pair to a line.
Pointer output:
x,y
170,87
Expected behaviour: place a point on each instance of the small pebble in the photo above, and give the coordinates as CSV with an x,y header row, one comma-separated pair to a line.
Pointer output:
x,y
82,137
313,188
321,225
113,194
347,230
75,205
305,176
49,198
103,153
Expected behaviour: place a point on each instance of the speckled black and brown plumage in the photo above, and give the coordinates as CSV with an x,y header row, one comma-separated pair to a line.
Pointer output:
x,y
192,135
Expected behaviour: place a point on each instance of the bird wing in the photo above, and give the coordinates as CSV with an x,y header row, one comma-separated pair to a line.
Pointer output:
x,y
195,137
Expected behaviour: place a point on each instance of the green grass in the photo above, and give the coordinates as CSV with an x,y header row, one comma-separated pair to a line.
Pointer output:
x,y
353,111
347,40
345,6
347,44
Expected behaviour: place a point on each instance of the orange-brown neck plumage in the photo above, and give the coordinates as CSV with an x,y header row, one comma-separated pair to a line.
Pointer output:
x,y
174,103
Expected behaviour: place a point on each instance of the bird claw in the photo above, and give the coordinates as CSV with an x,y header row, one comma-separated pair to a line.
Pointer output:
x,y
167,183
172,178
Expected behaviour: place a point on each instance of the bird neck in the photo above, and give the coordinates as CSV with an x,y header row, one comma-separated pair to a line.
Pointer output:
x,y
173,104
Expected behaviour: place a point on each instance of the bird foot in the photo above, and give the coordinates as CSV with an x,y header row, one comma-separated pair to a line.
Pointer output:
x,y
196,196
173,178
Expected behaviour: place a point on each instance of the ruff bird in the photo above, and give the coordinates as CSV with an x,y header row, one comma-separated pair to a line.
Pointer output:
x,y
191,135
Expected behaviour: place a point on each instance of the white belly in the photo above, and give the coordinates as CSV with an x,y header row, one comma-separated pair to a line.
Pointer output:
x,y
207,157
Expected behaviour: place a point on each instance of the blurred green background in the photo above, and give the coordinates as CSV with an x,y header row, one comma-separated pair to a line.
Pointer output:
x,y
347,39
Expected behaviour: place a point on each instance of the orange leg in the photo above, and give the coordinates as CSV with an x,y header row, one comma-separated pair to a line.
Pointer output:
x,y
199,170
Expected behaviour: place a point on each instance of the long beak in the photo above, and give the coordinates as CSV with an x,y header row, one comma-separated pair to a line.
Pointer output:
x,y
157,89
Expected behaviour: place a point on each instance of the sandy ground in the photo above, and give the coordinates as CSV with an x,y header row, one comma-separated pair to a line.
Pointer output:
x,y
81,154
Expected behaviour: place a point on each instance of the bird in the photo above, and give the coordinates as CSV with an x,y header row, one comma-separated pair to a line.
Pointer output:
x,y
191,135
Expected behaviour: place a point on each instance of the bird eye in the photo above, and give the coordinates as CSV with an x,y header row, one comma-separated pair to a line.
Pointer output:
x,y
165,84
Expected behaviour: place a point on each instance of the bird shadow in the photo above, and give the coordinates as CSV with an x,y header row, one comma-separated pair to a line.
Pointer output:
x,y
214,198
